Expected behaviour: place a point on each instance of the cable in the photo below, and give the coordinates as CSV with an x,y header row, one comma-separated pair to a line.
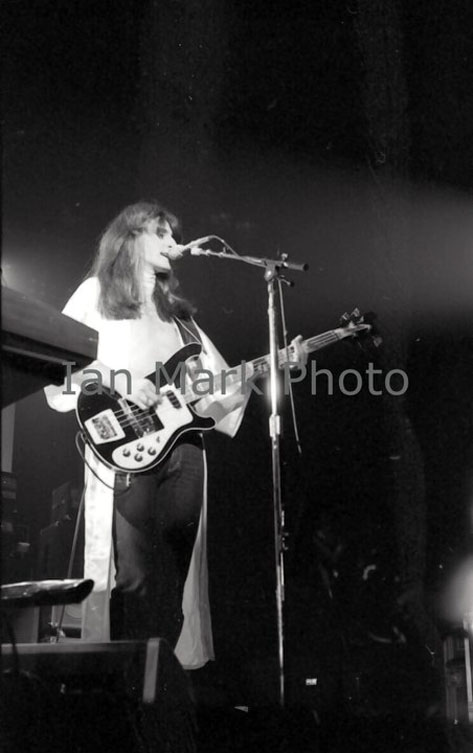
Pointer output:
x,y
226,245
11,636
79,434
286,346
71,559
92,470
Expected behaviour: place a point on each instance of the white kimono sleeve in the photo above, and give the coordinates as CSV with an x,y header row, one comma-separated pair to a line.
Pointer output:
x,y
226,408
81,306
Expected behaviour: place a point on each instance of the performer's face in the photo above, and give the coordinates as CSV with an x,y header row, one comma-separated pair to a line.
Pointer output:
x,y
157,237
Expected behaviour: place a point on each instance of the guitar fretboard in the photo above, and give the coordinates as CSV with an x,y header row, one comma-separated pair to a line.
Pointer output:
x,y
259,367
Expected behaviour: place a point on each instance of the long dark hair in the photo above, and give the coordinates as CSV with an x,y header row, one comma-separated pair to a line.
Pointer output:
x,y
118,267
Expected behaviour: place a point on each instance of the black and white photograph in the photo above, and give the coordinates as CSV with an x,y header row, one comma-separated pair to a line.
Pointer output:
x,y
237,376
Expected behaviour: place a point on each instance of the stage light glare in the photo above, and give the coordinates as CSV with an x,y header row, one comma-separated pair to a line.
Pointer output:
x,y
457,599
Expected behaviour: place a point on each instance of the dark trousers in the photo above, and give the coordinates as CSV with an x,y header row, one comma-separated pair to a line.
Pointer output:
x,y
156,518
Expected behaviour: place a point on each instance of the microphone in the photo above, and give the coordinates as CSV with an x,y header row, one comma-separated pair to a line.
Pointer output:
x,y
177,252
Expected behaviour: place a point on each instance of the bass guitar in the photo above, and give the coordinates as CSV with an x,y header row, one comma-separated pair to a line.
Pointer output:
x,y
131,440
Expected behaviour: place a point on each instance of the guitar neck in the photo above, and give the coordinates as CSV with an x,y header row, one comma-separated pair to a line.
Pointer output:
x,y
258,367
261,364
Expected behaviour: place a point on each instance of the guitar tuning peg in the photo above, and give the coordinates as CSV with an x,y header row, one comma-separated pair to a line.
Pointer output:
x,y
344,319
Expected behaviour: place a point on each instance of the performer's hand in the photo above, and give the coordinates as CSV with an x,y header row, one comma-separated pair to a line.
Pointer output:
x,y
297,353
144,394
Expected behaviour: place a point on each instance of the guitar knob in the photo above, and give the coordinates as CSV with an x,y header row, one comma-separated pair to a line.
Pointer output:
x,y
158,439
138,457
126,452
151,451
140,447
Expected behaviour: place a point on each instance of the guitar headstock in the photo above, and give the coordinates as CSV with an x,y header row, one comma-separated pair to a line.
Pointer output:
x,y
355,323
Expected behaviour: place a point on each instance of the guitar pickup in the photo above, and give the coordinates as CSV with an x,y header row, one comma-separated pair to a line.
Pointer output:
x,y
173,399
104,427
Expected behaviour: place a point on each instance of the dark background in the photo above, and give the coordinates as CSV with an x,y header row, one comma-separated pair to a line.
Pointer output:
x,y
338,133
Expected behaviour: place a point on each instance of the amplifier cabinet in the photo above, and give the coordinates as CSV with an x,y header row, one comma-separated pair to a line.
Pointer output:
x,y
129,696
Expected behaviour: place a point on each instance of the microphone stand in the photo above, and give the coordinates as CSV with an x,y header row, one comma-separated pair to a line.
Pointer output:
x,y
273,274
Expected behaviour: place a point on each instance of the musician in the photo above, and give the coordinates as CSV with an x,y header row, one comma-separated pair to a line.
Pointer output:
x,y
146,532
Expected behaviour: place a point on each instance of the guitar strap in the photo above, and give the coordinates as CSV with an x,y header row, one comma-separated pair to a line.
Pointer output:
x,y
189,332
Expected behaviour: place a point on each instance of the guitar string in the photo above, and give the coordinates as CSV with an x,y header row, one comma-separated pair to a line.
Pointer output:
x,y
141,416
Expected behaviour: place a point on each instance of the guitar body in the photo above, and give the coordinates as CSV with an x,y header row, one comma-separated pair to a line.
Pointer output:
x,y
130,440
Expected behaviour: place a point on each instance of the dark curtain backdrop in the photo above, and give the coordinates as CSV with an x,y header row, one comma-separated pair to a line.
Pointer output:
x,y
337,133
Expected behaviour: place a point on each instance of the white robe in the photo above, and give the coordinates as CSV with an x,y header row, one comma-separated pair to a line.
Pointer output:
x,y
134,344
